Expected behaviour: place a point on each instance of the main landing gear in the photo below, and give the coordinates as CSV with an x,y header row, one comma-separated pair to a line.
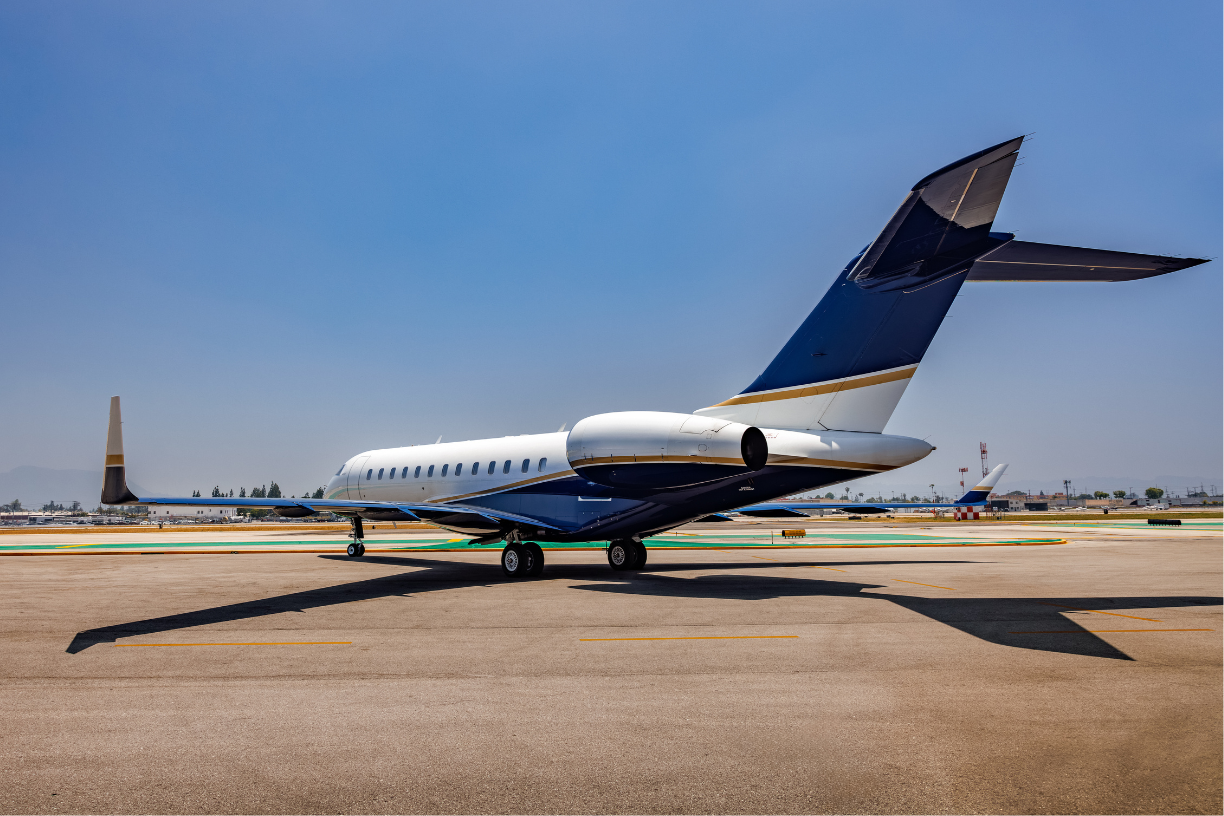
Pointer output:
x,y
357,548
626,554
522,560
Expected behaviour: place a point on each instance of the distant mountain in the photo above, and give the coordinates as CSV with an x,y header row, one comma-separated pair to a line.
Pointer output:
x,y
35,486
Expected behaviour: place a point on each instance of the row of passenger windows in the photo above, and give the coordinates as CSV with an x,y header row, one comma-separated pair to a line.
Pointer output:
x,y
475,471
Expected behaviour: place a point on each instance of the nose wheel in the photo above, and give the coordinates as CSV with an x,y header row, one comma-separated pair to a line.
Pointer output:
x,y
357,548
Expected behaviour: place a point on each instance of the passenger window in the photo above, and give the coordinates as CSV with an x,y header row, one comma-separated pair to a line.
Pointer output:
x,y
380,473
459,469
492,467
417,473
475,468
369,474
430,474
444,467
526,464
404,475
543,464
506,467
391,475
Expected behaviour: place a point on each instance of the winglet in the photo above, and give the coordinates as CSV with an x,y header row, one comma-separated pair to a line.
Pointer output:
x,y
114,480
979,493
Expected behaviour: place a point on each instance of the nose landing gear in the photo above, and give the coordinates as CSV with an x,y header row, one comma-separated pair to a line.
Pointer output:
x,y
357,548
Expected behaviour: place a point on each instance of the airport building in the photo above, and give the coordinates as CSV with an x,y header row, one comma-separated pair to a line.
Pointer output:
x,y
177,512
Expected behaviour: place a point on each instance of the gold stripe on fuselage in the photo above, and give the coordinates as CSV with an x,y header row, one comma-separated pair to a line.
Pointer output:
x,y
502,488
656,458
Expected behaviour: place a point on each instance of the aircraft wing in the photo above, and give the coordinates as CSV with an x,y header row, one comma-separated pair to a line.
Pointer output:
x,y
304,507
976,495
1028,261
115,491
792,509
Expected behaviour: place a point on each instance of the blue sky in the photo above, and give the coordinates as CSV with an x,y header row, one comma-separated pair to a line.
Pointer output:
x,y
289,232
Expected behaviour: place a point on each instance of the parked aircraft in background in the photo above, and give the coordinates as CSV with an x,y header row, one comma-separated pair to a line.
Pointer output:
x,y
815,416
976,495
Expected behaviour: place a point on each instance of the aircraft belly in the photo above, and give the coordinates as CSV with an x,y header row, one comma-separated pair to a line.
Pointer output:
x,y
594,513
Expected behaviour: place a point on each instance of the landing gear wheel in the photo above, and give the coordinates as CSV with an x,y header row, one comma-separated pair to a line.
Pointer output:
x,y
622,555
641,556
515,561
361,548
537,559
356,549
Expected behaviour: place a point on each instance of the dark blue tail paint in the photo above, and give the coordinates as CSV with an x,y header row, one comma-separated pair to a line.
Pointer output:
x,y
885,307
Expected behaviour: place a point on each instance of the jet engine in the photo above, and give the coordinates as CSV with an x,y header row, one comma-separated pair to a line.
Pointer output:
x,y
652,449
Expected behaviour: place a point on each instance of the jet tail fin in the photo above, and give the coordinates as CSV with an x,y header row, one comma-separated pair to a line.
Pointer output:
x,y
979,492
114,480
848,364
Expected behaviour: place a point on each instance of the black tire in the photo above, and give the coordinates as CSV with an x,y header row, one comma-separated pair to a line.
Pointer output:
x,y
622,555
354,550
361,549
514,561
641,556
537,559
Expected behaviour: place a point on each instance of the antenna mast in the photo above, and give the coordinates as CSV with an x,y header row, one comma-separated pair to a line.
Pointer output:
x,y
985,470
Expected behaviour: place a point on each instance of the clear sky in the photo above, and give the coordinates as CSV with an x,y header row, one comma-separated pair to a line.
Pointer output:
x,y
289,232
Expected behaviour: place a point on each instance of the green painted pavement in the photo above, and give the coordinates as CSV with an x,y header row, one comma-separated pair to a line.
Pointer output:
x,y
670,542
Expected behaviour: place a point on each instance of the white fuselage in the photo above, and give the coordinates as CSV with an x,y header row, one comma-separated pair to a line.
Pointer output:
x,y
459,471
450,471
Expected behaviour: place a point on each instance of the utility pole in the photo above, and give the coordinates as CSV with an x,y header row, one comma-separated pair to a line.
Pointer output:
x,y
985,470
1067,491
963,471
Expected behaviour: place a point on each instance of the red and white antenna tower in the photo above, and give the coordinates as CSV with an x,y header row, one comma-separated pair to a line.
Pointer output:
x,y
963,471
985,470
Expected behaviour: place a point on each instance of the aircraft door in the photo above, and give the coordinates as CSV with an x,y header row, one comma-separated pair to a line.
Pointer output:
x,y
356,478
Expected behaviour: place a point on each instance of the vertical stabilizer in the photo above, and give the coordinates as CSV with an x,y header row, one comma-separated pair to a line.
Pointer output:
x,y
981,491
114,479
849,363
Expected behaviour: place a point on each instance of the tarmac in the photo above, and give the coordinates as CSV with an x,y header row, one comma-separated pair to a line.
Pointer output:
x,y
961,667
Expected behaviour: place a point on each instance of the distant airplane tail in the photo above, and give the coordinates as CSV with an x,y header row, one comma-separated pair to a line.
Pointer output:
x,y
114,479
849,363
979,492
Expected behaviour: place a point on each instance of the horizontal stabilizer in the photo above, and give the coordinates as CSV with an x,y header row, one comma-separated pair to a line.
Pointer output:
x,y
1027,261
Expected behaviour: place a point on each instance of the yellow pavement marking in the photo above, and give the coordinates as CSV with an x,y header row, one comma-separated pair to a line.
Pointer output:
x,y
828,568
704,637
1094,631
1099,612
919,583
66,546
262,643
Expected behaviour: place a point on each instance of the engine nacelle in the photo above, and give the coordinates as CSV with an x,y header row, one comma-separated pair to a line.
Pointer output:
x,y
653,449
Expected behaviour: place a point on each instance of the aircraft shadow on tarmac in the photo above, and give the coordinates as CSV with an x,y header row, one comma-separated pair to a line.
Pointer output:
x,y
1026,623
